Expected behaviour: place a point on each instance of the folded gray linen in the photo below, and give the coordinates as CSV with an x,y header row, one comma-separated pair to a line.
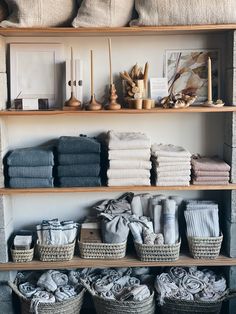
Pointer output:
x,y
128,140
79,181
78,145
77,159
31,156
90,170
25,183
30,172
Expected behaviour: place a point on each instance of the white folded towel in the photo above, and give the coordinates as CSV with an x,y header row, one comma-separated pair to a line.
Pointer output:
x,y
167,159
172,183
128,140
130,164
128,173
129,182
172,168
129,154
169,174
169,151
174,179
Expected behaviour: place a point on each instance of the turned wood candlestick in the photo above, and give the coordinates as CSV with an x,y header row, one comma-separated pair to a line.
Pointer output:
x,y
93,104
113,104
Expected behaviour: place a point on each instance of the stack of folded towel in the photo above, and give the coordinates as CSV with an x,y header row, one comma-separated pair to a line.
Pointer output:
x,y
78,161
171,165
31,167
129,159
210,171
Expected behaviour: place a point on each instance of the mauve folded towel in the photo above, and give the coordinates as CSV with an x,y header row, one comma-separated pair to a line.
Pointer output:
x,y
128,140
202,178
24,183
92,170
222,182
79,182
203,173
128,173
169,151
30,172
77,159
209,164
31,156
78,145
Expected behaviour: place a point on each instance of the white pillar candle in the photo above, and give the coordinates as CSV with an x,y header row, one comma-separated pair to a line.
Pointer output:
x,y
209,80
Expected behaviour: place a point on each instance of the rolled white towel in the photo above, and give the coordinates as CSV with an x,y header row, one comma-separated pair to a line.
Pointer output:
x,y
136,206
169,207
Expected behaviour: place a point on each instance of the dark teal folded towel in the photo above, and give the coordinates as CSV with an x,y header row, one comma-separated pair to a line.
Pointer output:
x,y
92,170
32,156
27,183
76,159
78,145
30,172
79,182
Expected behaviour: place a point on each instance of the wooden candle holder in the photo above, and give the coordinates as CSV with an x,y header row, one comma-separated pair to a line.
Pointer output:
x,y
113,104
93,105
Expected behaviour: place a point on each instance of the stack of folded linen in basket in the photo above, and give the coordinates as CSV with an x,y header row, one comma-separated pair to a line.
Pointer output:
x,y
78,161
31,167
210,171
171,165
129,159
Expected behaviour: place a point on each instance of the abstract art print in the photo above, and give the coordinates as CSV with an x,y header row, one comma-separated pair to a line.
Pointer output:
x,y
187,70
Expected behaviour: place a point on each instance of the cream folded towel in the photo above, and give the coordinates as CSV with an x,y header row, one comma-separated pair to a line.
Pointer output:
x,y
129,154
172,174
172,183
174,167
167,159
128,173
128,140
130,164
174,179
129,182
169,151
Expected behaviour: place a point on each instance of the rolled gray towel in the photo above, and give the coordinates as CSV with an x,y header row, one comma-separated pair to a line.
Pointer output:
x,y
30,172
78,145
92,170
79,181
32,156
27,183
77,159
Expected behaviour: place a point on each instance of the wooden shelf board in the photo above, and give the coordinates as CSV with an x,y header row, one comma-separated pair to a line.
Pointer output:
x,y
129,261
8,191
116,112
114,31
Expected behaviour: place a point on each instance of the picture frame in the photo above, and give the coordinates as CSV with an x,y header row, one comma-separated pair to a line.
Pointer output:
x,y
187,72
36,72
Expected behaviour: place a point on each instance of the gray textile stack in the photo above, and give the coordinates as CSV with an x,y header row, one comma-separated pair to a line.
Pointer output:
x,y
129,159
31,167
78,161
171,165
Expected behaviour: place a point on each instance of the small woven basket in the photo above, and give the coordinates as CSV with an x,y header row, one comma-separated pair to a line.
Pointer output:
x,y
22,256
157,253
106,306
102,250
53,253
205,247
70,306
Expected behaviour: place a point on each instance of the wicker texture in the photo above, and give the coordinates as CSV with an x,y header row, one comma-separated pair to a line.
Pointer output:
x,y
157,253
52,253
21,256
102,250
104,306
205,247
70,306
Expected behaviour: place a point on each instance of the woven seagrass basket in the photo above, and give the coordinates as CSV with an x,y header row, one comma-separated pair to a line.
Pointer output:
x,y
22,256
102,250
105,306
205,247
53,253
157,253
70,306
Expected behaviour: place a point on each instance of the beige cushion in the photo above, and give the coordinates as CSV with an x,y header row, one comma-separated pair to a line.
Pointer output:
x,y
40,13
184,12
104,13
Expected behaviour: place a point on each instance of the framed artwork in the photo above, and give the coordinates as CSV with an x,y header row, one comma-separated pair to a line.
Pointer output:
x,y
36,72
187,72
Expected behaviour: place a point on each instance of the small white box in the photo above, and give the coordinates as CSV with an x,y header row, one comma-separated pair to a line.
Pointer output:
x,y
30,104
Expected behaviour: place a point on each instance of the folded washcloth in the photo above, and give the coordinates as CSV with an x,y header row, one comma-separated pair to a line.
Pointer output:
x,y
129,182
30,172
92,170
78,145
128,140
32,156
79,181
129,154
130,164
222,182
169,151
205,173
77,159
128,173
209,164
209,179
24,183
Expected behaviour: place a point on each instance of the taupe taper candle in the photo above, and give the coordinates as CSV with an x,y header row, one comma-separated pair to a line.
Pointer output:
x,y
110,61
209,80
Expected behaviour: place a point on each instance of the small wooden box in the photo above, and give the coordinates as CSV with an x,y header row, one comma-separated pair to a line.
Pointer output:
x,y
90,233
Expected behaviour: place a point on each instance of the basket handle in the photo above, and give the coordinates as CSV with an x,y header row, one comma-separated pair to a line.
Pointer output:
x,y
15,289
230,295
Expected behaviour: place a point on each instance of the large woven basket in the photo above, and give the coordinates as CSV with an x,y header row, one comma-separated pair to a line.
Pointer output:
x,y
205,247
157,253
22,256
102,250
105,306
70,306
52,253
